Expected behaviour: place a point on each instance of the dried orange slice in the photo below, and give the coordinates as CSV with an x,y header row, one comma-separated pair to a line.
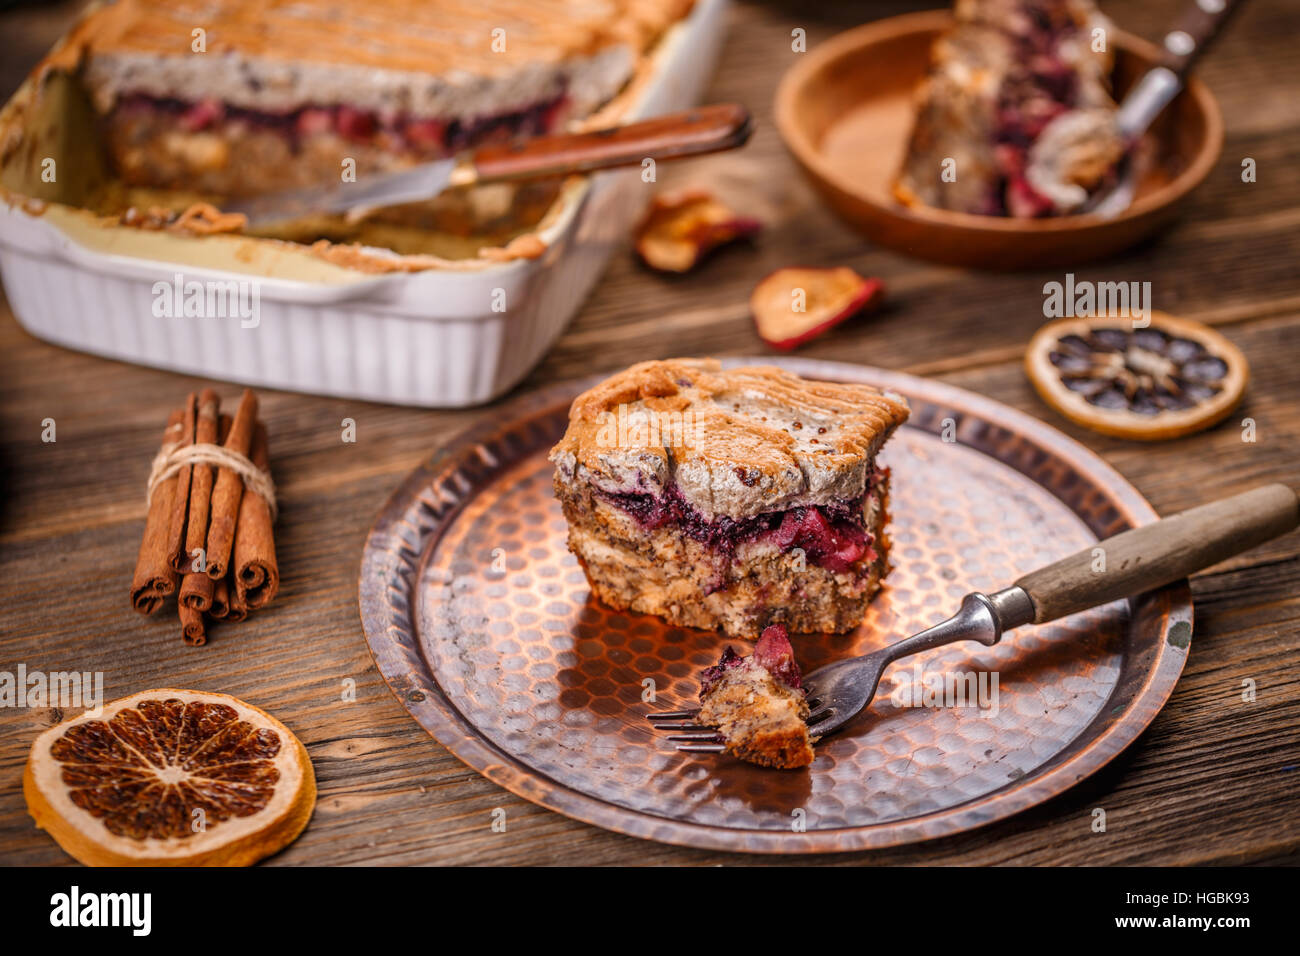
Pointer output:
x,y
170,778
794,305
680,230
1170,378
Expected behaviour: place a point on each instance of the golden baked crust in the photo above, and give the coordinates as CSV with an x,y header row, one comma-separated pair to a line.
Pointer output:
x,y
406,35
751,440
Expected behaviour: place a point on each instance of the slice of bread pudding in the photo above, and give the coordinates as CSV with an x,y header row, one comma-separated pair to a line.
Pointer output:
x,y
1015,117
757,704
237,98
731,498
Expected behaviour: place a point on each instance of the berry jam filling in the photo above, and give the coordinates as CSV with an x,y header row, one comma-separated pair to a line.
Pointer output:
x,y
1041,89
390,130
832,536
773,653
828,542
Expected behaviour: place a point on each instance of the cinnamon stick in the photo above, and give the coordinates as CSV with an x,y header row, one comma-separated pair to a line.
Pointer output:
x,y
220,608
192,629
181,499
196,526
238,609
257,576
196,591
229,489
154,578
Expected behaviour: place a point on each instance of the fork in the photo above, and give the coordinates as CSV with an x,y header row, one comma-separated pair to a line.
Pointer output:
x,y
1121,566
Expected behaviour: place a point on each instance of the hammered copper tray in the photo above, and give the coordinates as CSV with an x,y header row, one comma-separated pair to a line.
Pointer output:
x,y
482,624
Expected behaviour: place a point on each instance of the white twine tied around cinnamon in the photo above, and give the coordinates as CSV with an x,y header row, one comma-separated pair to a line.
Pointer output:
x,y
172,458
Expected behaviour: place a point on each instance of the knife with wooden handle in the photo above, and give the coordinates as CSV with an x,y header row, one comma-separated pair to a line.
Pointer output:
x,y
693,132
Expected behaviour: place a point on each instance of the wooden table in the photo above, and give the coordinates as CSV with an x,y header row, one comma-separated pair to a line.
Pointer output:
x,y
1214,780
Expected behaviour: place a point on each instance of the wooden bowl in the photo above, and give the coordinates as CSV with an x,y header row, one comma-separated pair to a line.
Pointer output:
x,y
846,111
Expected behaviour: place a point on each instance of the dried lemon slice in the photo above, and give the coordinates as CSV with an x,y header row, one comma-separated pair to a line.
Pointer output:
x,y
1170,378
170,778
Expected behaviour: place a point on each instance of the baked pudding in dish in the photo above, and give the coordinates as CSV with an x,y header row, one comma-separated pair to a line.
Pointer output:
x,y
238,97
1015,117
729,499
757,703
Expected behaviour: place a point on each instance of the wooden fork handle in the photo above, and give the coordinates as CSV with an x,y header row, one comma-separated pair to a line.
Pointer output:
x,y
1162,552
705,129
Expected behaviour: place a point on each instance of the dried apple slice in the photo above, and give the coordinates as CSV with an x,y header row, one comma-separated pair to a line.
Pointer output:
x,y
170,778
792,306
679,231
1170,378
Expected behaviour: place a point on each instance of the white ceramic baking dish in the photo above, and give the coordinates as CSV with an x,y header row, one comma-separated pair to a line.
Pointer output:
x,y
428,338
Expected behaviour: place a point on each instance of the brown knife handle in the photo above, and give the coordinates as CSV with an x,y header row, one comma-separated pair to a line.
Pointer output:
x,y
1157,554
1198,24
706,129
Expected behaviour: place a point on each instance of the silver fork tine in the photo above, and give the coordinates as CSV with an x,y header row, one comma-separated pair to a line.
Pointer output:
x,y
691,738
824,720
672,715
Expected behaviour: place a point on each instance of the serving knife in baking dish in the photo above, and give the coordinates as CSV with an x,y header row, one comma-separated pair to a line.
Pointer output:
x,y
693,132
1136,561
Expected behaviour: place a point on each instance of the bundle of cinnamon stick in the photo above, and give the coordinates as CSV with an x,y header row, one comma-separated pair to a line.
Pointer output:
x,y
208,535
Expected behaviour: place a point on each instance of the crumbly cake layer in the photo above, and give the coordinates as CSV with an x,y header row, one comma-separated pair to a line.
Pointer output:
x,y
998,79
810,570
762,719
732,443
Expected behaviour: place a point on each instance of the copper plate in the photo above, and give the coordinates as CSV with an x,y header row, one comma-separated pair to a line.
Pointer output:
x,y
482,624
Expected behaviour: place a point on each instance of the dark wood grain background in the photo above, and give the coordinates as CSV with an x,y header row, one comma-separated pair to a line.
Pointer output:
x,y
1214,780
